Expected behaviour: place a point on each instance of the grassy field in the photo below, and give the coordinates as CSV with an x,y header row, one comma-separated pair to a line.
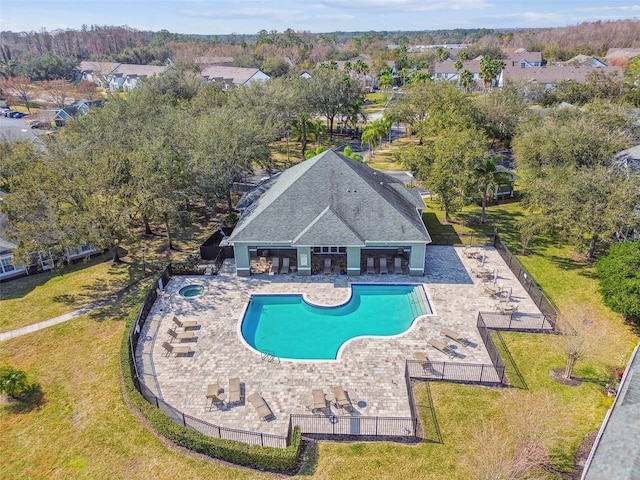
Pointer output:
x,y
83,429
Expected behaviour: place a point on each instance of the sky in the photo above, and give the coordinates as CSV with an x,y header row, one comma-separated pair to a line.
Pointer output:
x,y
214,17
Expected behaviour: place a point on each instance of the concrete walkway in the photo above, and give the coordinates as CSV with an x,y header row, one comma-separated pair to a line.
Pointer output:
x,y
65,317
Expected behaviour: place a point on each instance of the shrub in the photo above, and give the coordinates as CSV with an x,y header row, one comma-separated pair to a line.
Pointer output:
x,y
263,458
619,273
12,381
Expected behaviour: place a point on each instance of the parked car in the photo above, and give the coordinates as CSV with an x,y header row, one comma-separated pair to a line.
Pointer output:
x,y
18,115
7,113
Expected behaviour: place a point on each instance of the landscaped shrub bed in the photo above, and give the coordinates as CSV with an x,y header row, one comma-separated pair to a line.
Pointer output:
x,y
263,458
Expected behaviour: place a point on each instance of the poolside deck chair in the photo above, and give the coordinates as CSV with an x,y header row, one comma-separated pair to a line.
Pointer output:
x,y
383,266
214,394
235,391
397,265
208,271
341,398
176,349
456,337
506,307
423,359
261,406
327,266
438,345
186,324
275,265
470,252
285,265
370,268
319,401
180,336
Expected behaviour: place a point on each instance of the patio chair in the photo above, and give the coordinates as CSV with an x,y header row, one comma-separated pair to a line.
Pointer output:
x,y
423,359
506,307
319,401
383,266
327,266
264,412
470,252
370,268
341,398
214,393
456,337
397,265
208,271
275,265
176,349
235,391
180,336
186,324
438,345
285,265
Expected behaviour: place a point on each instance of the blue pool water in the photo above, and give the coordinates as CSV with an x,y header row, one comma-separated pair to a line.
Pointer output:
x,y
288,327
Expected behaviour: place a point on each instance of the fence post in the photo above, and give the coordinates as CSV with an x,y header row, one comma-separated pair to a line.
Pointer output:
x,y
481,371
184,422
376,426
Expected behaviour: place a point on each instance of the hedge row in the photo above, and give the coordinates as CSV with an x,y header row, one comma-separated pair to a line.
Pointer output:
x,y
262,458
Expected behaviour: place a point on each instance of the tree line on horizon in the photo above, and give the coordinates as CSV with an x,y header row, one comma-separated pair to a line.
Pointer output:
x,y
279,53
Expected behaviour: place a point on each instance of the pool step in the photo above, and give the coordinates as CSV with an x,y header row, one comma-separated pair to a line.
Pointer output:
x,y
270,357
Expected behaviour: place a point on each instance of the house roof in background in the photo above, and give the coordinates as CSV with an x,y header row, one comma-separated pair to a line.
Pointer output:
x,y
234,75
331,199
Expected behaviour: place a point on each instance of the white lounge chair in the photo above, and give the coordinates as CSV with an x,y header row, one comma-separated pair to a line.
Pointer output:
x,y
285,265
187,324
438,345
397,265
275,265
456,337
383,266
261,406
370,268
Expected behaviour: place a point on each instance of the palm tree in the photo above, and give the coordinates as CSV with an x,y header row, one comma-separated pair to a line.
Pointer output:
x,y
302,127
487,178
354,112
489,69
466,79
417,77
12,381
347,66
371,138
386,83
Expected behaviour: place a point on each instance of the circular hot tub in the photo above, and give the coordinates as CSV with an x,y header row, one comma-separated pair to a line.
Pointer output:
x,y
191,291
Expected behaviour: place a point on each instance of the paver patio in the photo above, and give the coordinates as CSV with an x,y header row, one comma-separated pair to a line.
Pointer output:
x,y
370,369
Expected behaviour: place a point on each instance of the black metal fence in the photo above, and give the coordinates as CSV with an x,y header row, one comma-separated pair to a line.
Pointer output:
x,y
252,438
482,373
545,305
356,425
452,238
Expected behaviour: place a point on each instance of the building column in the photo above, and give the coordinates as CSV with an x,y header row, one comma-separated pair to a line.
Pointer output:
x,y
243,261
304,260
353,261
417,260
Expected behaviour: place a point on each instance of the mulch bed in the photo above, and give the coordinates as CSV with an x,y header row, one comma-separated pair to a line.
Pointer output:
x,y
557,374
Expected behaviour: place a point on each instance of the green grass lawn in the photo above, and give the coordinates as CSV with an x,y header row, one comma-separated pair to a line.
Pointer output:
x,y
83,429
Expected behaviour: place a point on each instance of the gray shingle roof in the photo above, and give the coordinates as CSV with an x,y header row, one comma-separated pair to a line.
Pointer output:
x,y
331,200
616,454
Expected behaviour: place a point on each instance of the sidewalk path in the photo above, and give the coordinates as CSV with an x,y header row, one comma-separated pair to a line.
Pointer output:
x,y
18,332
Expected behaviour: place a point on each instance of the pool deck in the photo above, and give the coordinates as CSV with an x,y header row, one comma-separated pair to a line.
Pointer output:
x,y
371,370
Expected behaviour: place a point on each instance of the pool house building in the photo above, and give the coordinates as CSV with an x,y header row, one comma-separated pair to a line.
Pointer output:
x,y
330,214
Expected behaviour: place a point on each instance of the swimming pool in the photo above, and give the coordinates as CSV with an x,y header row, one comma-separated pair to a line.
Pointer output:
x,y
288,327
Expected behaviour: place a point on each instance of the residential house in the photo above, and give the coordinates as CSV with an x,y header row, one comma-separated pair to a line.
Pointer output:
x,y
126,76
233,75
116,76
618,56
78,107
330,205
551,75
446,70
584,61
96,72
524,59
